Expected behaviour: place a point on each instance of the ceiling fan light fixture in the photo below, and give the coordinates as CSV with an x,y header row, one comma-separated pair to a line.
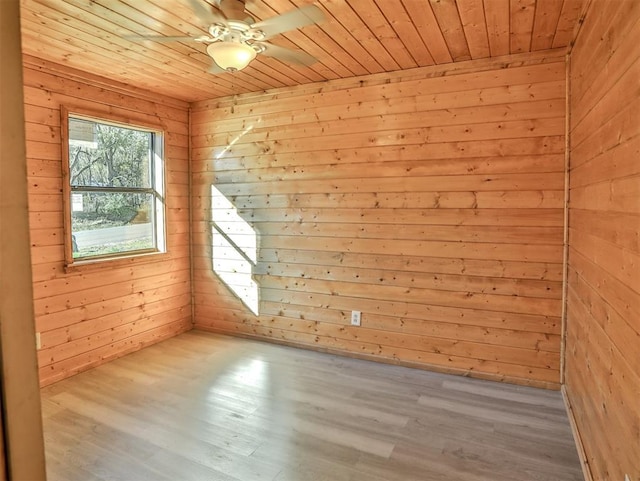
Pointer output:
x,y
231,56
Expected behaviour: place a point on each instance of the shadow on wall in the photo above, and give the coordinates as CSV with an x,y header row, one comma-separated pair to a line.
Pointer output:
x,y
234,250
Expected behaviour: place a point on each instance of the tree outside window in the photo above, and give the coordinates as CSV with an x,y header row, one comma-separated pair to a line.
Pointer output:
x,y
115,201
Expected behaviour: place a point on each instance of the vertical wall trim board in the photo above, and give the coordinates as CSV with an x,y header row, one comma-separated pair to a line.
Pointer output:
x,y
21,417
191,209
565,235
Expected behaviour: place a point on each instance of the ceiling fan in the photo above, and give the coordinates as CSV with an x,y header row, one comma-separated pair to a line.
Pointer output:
x,y
234,38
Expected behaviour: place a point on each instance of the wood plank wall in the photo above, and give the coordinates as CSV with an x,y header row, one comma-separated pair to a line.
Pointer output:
x,y
603,323
431,200
93,315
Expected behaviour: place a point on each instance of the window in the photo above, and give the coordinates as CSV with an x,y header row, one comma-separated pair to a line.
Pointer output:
x,y
114,188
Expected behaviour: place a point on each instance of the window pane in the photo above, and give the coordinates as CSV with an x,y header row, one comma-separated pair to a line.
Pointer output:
x,y
110,223
102,155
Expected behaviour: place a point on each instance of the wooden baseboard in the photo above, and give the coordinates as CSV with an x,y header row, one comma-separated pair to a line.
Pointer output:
x,y
584,462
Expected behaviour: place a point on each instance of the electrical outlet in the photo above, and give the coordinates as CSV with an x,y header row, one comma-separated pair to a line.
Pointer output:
x,y
627,478
38,343
356,316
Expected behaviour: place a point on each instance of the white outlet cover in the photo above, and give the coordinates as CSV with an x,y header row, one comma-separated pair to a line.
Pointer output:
x,y
356,316
627,478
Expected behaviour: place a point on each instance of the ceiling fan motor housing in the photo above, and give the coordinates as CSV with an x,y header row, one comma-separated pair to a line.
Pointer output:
x,y
235,31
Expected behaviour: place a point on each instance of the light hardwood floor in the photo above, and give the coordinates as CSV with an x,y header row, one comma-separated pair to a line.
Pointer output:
x,y
206,407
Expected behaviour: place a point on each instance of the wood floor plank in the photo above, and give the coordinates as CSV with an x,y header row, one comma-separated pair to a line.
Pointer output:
x,y
203,406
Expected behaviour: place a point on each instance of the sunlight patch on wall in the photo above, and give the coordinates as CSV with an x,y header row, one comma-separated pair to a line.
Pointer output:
x,y
234,250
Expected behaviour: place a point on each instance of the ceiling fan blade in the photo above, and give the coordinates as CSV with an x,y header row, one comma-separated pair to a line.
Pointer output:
x,y
160,38
300,17
204,12
288,55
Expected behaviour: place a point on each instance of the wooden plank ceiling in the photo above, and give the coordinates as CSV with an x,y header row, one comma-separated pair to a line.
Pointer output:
x,y
359,37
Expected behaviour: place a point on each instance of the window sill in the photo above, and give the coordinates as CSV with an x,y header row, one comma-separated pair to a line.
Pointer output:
x,y
115,262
